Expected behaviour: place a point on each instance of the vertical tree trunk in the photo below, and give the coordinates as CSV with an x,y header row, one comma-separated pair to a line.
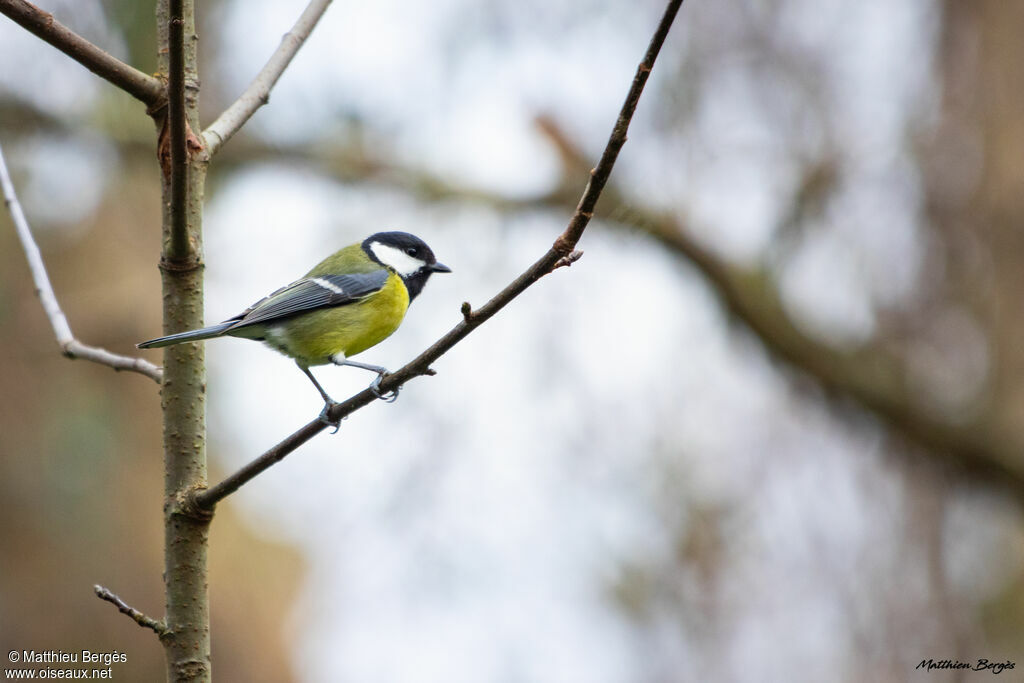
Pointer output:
x,y
975,197
183,393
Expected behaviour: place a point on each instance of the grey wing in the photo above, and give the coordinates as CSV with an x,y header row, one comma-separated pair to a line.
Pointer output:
x,y
311,293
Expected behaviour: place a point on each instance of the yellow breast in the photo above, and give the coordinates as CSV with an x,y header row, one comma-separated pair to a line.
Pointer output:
x,y
312,338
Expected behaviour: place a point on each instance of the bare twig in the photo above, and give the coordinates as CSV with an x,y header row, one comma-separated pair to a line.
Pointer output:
x,y
70,347
141,86
158,627
560,252
258,92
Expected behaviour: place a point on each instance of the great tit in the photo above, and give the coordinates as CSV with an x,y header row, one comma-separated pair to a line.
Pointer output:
x,y
352,300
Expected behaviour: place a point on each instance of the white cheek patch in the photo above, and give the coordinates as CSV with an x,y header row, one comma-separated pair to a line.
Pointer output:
x,y
402,263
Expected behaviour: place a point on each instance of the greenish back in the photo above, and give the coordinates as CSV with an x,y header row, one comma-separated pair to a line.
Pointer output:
x,y
351,259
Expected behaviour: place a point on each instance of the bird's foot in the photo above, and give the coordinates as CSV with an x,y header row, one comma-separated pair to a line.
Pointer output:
x,y
325,417
389,397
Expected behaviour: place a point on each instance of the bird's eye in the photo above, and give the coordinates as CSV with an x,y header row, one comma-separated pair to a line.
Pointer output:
x,y
411,251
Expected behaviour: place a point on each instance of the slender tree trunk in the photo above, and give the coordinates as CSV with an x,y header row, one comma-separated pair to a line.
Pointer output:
x,y
183,393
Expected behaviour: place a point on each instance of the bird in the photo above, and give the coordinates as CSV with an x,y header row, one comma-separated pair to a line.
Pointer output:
x,y
352,300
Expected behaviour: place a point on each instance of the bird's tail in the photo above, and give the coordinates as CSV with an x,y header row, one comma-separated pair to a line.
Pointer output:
x,y
191,335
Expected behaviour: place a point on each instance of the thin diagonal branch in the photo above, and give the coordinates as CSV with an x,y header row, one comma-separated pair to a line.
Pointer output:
x,y
562,252
157,626
258,92
71,347
141,86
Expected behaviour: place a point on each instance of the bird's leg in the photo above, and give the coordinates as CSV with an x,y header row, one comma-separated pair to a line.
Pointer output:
x,y
375,385
328,401
365,366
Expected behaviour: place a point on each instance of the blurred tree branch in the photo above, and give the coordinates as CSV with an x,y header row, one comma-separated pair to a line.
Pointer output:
x,y
871,376
258,92
145,88
70,347
561,253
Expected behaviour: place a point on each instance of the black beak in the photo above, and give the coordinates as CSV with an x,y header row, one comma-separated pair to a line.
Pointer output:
x,y
439,268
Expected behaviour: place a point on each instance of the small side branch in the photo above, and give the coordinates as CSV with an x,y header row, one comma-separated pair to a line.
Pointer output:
x,y
258,92
76,349
158,627
561,253
70,347
143,87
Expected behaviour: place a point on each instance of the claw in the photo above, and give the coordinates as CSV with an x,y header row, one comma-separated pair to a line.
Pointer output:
x,y
387,398
327,420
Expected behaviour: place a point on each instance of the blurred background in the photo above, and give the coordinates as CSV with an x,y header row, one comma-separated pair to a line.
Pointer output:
x,y
770,427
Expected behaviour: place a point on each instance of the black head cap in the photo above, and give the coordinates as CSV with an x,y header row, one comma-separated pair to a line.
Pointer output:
x,y
407,255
